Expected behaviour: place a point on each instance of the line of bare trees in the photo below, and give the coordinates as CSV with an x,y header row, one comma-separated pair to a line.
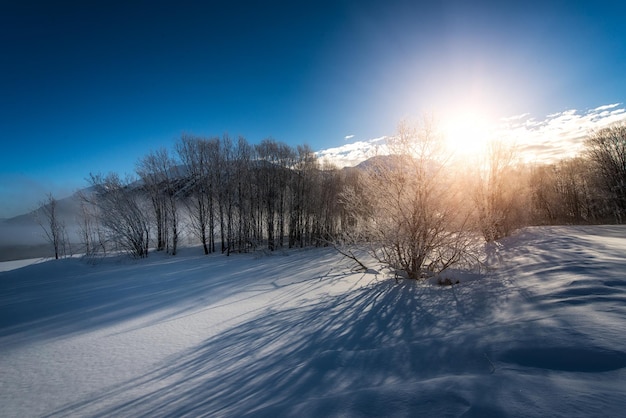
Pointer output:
x,y
413,209
229,195
588,189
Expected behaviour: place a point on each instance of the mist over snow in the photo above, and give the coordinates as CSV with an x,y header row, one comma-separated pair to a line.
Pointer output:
x,y
301,334
22,236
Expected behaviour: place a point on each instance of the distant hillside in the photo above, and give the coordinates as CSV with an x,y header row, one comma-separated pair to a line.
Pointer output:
x,y
390,161
22,236
67,208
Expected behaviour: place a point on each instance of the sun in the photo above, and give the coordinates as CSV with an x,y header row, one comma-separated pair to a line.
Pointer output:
x,y
467,132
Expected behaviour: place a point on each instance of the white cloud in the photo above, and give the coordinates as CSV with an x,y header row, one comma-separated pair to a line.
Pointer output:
x,y
561,134
348,137
516,117
558,135
606,107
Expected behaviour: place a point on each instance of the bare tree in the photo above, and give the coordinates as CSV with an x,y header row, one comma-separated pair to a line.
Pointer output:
x,y
268,154
564,192
498,192
194,153
90,232
48,218
544,196
149,171
305,196
122,214
606,149
243,187
409,214
226,192
160,177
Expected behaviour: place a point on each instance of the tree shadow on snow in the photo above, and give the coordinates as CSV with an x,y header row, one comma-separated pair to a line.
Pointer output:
x,y
379,349
69,297
359,353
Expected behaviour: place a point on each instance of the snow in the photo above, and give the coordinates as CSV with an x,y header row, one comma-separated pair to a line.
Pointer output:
x,y
540,333
16,264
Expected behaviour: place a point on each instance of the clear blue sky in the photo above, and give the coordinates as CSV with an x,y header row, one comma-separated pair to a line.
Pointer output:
x,y
88,86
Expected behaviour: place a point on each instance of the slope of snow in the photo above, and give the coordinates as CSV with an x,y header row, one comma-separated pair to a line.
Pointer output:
x,y
299,334
16,264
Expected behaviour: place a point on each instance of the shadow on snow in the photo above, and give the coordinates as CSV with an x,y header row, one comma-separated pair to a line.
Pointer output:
x,y
375,350
351,353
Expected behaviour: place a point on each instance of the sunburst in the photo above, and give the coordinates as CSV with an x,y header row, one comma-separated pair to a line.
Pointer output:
x,y
468,131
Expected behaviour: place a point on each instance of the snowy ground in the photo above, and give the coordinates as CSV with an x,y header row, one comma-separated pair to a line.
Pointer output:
x,y
298,334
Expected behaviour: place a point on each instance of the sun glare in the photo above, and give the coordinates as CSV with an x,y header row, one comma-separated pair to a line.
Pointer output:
x,y
467,132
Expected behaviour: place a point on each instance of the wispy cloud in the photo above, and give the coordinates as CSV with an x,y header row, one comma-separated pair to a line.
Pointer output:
x,y
516,117
348,137
561,134
606,107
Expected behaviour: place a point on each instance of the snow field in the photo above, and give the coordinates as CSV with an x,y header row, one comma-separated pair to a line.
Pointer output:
x,y
300,334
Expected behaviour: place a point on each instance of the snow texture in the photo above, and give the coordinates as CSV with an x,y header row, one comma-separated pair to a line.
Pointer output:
x,y
299,334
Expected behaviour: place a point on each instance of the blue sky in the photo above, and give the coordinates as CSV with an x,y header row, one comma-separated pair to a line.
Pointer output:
x,y
93,86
